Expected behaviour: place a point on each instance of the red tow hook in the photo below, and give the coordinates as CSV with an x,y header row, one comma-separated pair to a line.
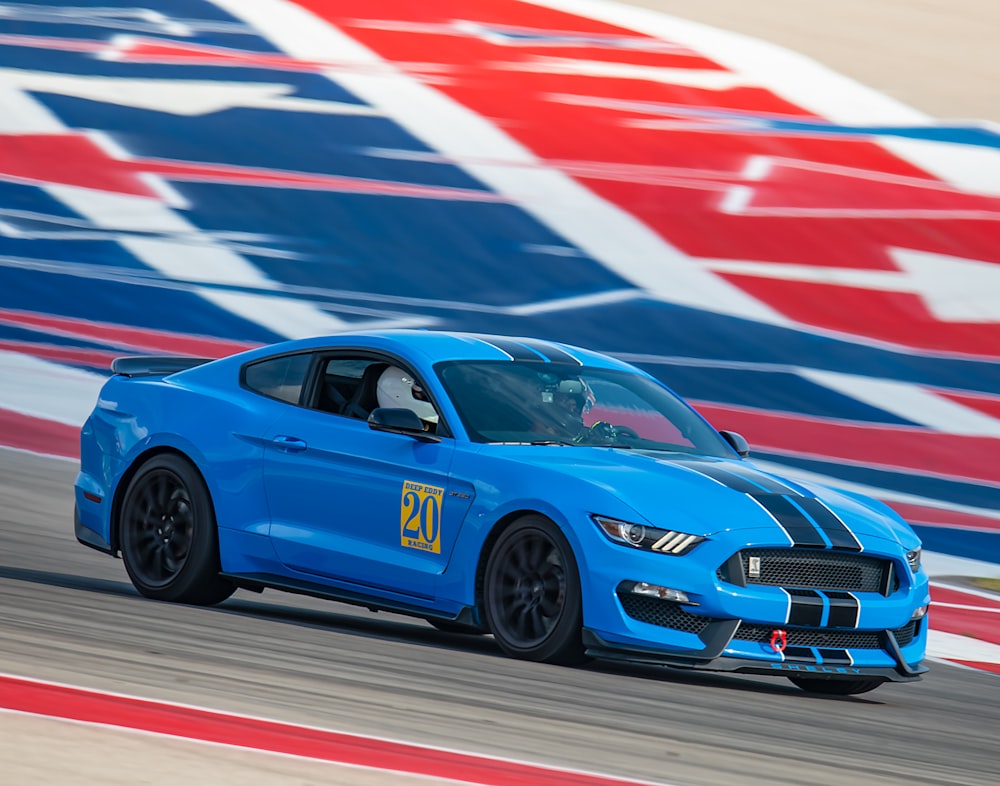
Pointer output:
x,y
779,640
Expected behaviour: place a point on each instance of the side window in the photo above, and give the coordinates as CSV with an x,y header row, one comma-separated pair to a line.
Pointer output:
x,y
281,378
349,386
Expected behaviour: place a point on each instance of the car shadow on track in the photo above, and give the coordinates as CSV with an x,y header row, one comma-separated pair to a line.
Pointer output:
x,y
387,626
67,581
405,630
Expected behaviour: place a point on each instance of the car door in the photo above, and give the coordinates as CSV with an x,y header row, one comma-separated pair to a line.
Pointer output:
x,y
361,506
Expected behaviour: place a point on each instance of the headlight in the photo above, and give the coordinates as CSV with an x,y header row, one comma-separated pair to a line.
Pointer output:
x,y
913,558
640,536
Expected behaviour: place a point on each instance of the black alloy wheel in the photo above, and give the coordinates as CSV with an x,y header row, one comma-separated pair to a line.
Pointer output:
x,y
168,535
532,593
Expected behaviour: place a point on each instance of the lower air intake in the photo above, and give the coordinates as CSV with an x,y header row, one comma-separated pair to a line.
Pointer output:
x,y
664,613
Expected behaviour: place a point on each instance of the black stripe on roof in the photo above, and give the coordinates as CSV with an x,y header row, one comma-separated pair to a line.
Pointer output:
x,y
553,353
516,349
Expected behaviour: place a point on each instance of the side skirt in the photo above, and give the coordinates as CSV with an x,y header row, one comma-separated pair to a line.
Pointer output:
x,y
258,582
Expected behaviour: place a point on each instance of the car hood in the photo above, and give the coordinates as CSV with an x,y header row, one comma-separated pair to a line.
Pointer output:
x,y
705,496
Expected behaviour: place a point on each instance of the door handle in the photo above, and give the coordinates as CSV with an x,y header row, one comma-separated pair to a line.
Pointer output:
x,y
291,444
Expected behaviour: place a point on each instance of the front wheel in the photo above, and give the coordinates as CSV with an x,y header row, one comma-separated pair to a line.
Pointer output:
x,y
169,539
846,687
531,593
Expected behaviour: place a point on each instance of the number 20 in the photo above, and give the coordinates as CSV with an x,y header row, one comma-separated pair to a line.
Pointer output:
x,y
422,514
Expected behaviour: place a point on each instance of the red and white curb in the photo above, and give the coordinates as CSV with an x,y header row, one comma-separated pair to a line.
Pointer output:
x,y
55,700
965,627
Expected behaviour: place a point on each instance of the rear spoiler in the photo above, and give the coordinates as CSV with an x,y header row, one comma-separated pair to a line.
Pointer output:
x,y
153,366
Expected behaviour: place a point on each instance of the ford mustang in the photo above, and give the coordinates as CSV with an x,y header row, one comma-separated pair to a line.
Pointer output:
x,y
561,500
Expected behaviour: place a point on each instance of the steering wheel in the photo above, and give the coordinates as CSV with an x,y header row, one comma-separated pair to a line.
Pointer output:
x,y
626,431
606,433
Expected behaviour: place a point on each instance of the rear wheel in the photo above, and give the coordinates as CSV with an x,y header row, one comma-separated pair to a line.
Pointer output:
x,y
169,540
847,687
531,593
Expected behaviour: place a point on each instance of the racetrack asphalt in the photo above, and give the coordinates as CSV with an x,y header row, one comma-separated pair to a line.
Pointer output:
x,y
69,614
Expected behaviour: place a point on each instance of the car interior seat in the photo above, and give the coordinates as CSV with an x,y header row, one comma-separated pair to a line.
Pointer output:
x,y
331,398
365,396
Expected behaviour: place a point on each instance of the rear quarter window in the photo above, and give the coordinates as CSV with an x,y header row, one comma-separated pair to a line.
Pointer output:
x,y
281,378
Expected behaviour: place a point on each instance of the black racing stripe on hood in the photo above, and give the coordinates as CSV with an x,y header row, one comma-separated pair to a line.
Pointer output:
x,y
800,530
741,479
845,609
719,474
802,517
836,530
762,481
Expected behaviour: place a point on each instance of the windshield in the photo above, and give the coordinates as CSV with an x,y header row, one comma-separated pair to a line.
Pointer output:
x,y
504,401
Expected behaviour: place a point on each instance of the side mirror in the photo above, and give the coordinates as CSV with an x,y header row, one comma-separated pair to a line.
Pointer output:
x,y
400,421
736,442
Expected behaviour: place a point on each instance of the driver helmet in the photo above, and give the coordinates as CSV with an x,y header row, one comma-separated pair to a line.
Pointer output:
x,y
396,388
574,395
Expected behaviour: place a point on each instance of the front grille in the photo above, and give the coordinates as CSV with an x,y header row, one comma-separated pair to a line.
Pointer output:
x,y
664,613
814,569
836,639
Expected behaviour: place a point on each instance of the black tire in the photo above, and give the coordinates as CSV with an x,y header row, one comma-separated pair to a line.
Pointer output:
x,y
169,540
531,593
835,687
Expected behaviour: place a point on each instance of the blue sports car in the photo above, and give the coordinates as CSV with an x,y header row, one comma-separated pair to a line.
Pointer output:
x,y
559,499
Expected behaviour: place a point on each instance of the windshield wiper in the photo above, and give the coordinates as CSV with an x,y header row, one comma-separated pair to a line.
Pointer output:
x,y
533,442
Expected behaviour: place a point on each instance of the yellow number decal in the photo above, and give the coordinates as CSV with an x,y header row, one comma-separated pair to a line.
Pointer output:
x,y
420,517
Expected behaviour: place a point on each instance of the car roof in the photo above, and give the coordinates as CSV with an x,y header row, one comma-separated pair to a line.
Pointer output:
x,y
440,346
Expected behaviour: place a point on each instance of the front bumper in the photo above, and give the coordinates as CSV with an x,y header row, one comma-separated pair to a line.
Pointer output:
x,y
723,651
734,625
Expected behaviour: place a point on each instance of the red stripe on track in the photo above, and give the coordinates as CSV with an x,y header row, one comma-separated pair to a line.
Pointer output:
x,y
908,449
63,701
937,517
38,435
981,622
994,667
953,595
988,404
123,336
93,358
